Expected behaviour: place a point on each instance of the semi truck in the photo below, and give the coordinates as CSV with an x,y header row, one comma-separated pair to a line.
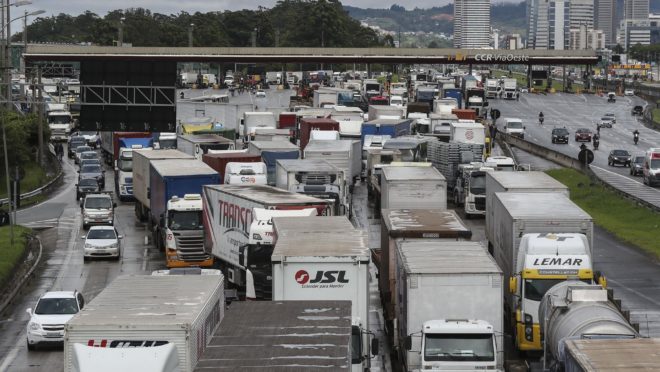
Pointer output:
x,y
130,313
386,127
175,209
475,99
346,155
199,144
317,178
454,93
142,176
493,88
229,216
576,311
470,188
350,121
412,187
450,313
539,240
593,354
245,173
404,224
60,121
219,161
307,125
271,151
510,89
386,112
252,120
262,326
326,258
116,148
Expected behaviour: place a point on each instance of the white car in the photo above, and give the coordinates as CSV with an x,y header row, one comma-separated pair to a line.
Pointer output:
x,y
90,137
628,92
611,116
52,312
261,94
102,241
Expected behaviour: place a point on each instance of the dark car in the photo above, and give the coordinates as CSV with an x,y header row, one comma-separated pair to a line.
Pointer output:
x,y
583,135
637,166
637,110
560,135
85,186
88,155
74,142
619,157
93,171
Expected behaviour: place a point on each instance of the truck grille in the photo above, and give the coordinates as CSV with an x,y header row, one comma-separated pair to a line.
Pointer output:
x,y
480,203
190,247
316,179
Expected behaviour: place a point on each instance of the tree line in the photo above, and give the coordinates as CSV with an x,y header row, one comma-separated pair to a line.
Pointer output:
x,y
290,23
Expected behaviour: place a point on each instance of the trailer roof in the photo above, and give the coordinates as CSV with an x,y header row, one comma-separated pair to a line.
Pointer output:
x,y
205,138
387,122
540,205
273,145
423,223
318,236
266,194
329,145
424,256
521,180
307,165
300,335
181,167
411,174
162,154
615,354
149,300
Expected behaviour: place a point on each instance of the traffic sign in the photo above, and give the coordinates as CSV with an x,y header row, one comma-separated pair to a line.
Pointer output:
x,y
495,114
586,154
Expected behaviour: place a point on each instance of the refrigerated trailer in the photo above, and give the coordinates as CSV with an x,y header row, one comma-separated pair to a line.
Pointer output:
x,y
346,155
143,311
412,187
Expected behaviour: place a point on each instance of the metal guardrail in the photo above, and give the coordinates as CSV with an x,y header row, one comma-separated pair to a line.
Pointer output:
x,y
641,194
45,188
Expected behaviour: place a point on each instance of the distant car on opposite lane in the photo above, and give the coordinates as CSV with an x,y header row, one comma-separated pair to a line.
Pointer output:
x,y
560,135
260,94
622,157
637,166
583,135
606,122
628,92
637,110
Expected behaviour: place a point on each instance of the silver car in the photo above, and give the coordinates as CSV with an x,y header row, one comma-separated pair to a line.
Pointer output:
x,y
92,171
102,241
79,151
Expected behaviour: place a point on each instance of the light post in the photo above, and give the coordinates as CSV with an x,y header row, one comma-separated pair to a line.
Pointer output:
x,y
120,37
6,30
190,35
25,39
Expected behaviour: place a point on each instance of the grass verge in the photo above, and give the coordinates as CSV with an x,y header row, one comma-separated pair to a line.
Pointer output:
x,y
11,254
35,177
656,115
621,217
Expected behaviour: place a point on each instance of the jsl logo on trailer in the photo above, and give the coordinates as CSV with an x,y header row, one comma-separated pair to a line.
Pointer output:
x,y
322,279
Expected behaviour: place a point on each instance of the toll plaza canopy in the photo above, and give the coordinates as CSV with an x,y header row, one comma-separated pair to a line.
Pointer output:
x,y
37,53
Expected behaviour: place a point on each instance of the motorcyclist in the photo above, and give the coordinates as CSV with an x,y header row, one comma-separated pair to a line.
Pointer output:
x,y
636,136
541,117
596,141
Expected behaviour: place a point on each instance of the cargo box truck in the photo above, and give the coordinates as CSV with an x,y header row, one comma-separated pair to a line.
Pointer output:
x,y
176,210
199,144
386,127
252,332
326,258
539,240
346,155
450,313
139,311
241,240
219,161
404,224
271,151
317,178
412,187
142,176
307,125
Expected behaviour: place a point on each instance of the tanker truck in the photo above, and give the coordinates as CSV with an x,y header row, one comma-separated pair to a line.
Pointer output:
x,y
573,310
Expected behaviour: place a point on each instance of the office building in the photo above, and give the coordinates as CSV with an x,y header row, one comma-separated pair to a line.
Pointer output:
x,y
558,20
604,19
586,38
636,9
472,24
634,31
581,13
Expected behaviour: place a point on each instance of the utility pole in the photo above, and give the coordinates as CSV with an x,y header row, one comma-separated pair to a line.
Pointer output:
x,y
120,42
7,72
40,118
190,35
4,145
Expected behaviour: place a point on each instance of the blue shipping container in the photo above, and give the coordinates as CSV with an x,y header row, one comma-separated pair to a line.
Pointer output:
x,y
386,127
271,158
128,143
454,93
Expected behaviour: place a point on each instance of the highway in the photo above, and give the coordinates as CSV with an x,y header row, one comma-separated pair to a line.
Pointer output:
x,y
632,274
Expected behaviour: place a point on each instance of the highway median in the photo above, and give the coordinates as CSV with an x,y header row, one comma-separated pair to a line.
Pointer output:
x,y
12,254
622,217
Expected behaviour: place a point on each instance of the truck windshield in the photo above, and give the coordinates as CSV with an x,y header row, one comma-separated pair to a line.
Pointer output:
x,y
654,163
459,347
167,143
514,125
407,155
185,220
125,165
536,288
59,119
478,185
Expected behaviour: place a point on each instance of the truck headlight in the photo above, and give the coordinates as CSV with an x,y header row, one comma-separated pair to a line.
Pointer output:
x,y
528,318
256,236
34,326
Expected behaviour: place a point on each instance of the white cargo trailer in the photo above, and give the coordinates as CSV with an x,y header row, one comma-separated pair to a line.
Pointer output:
x,y
146,311
325,258
343,154
412,188
141,176
450,316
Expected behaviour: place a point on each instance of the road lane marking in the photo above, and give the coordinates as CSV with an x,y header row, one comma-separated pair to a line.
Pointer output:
x,y
145,254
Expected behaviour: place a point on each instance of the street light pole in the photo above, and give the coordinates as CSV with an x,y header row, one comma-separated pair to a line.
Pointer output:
x,y
190,35
120,42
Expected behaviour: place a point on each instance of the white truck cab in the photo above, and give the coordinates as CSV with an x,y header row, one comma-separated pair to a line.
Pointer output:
x,y
501,163
60,122
651,168
245,173
514,127
458,344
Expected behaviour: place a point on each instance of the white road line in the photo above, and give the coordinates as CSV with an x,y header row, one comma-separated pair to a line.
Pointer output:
x,y
145,254
10,357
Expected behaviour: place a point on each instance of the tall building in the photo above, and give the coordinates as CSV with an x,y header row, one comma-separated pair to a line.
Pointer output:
x,y
604,19
532,16
472,24
558,20
636,9
585,38
581,13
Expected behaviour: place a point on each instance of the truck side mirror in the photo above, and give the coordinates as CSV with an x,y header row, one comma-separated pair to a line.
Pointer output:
x,y
241,256
513,284
148,192
524,128
408,343
374,346
161,220
114,205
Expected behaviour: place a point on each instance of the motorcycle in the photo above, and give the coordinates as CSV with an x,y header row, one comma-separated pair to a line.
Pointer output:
x,y
636,138
596,143
540,120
